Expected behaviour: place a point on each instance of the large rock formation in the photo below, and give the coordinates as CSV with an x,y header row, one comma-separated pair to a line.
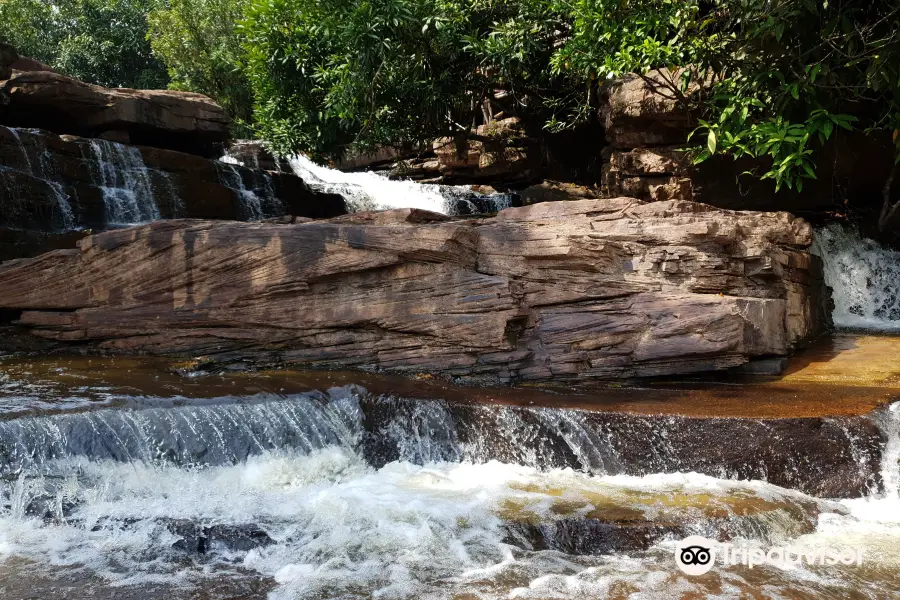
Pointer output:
x,y
582,289
145,156
648,121
51,184
169,119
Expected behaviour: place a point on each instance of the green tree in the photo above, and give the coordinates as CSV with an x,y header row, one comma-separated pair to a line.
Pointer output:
x,y
99,41
330,74
198,41
778,76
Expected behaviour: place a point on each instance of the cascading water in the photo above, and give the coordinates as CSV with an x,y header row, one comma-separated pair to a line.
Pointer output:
x,y
864,277
128,474
259,201
44,168
366,191
125,182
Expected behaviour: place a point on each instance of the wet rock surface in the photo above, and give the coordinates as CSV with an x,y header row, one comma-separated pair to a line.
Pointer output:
x,y
51,185
200,539
829,458
575,290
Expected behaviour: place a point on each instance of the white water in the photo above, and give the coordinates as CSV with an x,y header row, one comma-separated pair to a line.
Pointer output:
x,y
295,468
864,277
125,183
257,203
46,172
343,528
367,191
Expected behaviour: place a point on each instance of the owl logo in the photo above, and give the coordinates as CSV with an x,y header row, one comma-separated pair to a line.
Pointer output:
x,y
695,555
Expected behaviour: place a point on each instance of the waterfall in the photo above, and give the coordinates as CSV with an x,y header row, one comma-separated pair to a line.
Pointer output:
x,y
888,420
291,490
366,191
46,171
864,277
125,183
257,202
182,436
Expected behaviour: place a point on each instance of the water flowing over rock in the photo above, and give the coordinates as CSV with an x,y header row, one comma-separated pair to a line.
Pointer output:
x,y
863,276
825,457
258,201
125,184
574,290
366,191
55,184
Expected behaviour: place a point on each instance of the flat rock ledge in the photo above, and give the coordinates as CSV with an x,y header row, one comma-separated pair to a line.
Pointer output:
x,y
612,288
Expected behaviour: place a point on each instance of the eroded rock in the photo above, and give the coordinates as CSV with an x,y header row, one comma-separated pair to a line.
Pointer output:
x,y
166,118
573,290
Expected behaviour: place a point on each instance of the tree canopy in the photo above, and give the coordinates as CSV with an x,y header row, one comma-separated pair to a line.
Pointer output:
x,y
100,41
199,42
779,77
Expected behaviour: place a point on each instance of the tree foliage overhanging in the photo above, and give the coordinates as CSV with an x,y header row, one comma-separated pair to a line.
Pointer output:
x,y
779,77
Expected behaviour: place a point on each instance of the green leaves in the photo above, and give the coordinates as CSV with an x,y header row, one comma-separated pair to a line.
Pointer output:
x,y
199,41
711,142
99,41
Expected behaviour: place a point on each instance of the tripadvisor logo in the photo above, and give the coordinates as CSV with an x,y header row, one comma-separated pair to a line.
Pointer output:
x,y
696,555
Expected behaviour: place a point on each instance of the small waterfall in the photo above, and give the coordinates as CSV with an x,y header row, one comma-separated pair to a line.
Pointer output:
x,y
182,436
125,182
889,423
864,277
367,191
259,201
46,171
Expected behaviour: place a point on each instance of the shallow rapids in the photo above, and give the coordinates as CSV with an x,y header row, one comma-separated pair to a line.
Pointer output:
x,y
338,528
137,479
297,497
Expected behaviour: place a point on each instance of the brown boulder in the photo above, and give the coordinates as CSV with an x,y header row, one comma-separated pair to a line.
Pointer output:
x,y
164,118
553,191
570,290
647,110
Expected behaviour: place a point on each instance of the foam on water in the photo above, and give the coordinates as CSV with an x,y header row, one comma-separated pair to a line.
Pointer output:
x,y
341,527
106,491
367,191
864,277
125,182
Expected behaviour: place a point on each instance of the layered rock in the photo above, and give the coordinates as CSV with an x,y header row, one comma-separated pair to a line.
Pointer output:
x,y
647,124
648,121
51,183
575,290
170,119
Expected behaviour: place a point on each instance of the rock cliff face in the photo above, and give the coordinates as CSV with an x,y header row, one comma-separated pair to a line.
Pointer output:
x,y
143,155
175,120
570,290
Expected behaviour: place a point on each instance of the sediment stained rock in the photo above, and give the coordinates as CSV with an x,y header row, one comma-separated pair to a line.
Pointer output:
x,y
574,290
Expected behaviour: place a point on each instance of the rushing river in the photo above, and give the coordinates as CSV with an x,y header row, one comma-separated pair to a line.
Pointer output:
x,y
131,479
136,478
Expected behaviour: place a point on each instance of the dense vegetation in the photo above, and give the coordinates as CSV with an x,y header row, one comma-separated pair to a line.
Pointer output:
x,y
778,77
101,41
